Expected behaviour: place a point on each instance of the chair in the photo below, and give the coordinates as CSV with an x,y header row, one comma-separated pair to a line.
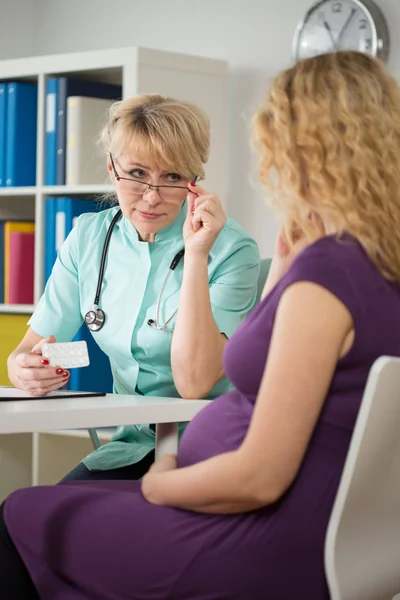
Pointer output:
x,y
362,546
262,278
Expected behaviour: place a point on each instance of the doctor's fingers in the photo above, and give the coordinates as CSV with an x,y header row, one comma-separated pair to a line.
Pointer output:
x,y
40,387
212,205
37,375
42,390
31,359
202,218
210,200
37,349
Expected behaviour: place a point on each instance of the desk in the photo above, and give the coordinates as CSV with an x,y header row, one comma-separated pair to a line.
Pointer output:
x,y
31,416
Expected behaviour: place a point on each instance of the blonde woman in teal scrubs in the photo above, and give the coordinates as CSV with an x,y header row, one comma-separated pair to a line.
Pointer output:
x,y
156,148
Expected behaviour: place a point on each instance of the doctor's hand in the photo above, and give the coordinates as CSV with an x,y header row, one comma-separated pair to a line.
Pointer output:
x,y
205,220
34,373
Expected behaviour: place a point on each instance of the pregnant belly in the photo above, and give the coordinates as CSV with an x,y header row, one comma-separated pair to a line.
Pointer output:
x,y
218,428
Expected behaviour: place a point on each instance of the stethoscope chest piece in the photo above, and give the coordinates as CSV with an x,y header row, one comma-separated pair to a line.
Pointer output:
x,y
95,319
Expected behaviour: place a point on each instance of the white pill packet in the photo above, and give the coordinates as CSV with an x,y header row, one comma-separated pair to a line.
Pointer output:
x,y
68,355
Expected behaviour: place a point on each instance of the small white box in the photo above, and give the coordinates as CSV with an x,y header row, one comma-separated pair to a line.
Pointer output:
x,y
68,355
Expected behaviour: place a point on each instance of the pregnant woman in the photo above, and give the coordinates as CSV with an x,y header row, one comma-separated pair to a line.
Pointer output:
x,y
241,513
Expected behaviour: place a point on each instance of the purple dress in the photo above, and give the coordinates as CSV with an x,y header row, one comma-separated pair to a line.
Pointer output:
x,y
103,541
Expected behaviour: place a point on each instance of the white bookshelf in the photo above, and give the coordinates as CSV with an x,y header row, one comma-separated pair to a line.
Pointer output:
x,y
32,459
139,70
20,309
11,192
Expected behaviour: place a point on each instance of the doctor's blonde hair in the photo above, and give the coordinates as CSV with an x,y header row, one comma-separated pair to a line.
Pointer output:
x,y
329,142
167,133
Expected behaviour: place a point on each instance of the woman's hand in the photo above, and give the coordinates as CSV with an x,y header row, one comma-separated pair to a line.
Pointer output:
x,y
284,254
151,480
205,219
282,259
34,374
166,463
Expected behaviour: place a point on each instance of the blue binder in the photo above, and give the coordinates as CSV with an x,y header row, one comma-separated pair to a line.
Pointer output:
x,y
76,87
74,207
50,175
60,214
50,253
21,134
1,262
3,123
67,210
97,376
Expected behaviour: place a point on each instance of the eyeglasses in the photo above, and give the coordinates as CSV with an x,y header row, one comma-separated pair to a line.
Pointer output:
x,y
139,188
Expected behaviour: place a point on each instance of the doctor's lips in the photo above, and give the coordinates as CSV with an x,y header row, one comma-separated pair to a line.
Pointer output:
x,y
149,216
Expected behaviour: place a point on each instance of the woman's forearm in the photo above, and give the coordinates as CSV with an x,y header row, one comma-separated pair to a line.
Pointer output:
x,y
197,344
220,485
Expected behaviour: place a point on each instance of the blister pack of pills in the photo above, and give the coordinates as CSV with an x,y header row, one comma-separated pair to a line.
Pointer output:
x,y
68,355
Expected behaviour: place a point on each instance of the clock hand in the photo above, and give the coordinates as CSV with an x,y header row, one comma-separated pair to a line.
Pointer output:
x,y
326,25
345,26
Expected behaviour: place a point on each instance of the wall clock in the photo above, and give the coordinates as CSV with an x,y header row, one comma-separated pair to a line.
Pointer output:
x,y
347,25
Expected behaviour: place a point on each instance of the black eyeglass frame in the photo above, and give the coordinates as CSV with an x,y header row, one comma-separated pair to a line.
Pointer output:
x,y
150,186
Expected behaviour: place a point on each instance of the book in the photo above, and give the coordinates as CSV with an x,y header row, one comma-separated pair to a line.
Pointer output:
x,y
67,210
22,252
85,118
50,174
50,253
2,260
20,168
9,227
60,216
13,328
97,377
76,87
3,122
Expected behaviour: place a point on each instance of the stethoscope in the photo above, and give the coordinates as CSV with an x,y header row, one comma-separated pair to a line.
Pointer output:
x,y
95,318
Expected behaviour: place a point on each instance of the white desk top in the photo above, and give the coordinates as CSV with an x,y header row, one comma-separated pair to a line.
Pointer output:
x,y
23,416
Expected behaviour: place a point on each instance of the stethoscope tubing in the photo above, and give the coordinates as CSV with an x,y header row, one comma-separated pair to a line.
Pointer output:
x,y
95,318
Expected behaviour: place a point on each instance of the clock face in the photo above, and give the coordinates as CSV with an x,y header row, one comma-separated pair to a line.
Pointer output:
x,y
330,26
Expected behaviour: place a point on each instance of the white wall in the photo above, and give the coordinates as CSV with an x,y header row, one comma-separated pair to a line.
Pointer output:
x,y
255,36
18,28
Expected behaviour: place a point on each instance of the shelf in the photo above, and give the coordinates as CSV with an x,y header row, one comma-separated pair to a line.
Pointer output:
x,y
75,190
18,191
17,308
55,190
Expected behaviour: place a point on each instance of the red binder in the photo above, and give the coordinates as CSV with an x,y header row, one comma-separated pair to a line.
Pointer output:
x,y
21,267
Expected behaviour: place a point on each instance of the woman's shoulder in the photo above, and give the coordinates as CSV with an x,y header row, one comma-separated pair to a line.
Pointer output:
x,y
340,265
332,252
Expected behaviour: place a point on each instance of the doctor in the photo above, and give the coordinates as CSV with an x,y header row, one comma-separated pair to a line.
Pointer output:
x,y
126,270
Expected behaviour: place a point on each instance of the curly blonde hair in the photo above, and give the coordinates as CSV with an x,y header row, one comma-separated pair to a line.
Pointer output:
x,y
329,142
168,133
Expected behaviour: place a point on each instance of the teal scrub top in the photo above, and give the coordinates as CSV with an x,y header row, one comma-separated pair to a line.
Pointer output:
x,y
134,274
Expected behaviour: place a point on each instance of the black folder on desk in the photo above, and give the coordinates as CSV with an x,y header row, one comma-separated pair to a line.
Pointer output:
x,y
8,393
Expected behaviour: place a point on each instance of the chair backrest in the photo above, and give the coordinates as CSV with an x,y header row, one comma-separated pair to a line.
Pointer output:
x,y
262,278
362,546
